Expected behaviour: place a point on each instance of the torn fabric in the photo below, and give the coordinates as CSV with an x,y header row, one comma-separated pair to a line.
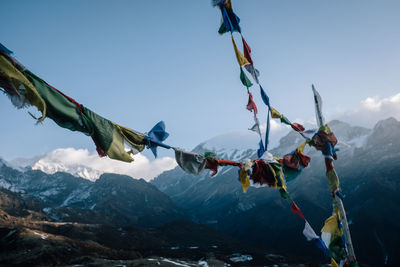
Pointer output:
x,y
19,88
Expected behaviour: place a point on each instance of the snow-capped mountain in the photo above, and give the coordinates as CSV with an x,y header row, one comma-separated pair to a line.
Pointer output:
x,y
88,165
367,165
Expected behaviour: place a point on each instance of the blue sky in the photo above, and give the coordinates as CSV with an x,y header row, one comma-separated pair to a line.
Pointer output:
x,y
139,62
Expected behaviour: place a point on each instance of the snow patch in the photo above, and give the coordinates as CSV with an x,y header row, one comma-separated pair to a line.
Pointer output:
x,y
42,236
182,263
237,257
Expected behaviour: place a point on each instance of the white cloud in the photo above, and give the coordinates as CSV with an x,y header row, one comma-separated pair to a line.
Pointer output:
x,y
81,162
371,110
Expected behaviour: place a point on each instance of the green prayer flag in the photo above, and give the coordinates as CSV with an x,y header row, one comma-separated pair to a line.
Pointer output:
x,y
284,194
210,155
111,137
246,82
61,110
68,114
285,120
222,28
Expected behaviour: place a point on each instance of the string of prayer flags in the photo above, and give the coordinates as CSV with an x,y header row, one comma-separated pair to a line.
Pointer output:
x,y
117,142
325,141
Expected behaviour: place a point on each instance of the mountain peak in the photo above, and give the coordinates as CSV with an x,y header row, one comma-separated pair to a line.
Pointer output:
x,y
387,123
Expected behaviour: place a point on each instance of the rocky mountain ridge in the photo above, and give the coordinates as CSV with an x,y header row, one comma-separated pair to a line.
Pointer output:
x,y
367,166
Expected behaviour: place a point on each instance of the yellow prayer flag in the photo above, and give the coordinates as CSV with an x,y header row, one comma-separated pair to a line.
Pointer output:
x,y
330,225
17,79
333,263
239,56
333,180
244,180
275,114
301,147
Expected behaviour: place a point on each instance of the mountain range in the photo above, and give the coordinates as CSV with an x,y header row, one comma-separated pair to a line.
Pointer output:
x,y
186,217
367,165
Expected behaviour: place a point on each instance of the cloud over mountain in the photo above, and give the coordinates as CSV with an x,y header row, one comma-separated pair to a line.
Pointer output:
x,y
371,110
89,165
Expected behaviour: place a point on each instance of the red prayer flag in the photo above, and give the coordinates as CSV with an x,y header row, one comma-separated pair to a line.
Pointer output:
x,y
251,105
305,160
328,165
297,127
296,210
247,51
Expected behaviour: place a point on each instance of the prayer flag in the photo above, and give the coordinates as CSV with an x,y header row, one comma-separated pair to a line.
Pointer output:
x,y
251,106
309,233
239,56
274,113
247,51
318,107
295,209
190,162
245,81
20,90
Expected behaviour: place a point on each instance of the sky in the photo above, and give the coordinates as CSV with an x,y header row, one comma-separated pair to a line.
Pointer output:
x,y
139,62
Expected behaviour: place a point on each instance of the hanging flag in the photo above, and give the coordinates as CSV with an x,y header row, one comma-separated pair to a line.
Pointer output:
x,y
264,96
295,209
285,120
308,232
59,108
190,162
20,90
334,263
318,107
256,128
261,150
247,51
251,106
245,81
297,127
274,113
265,99
227,22
233,19
239,56
244,180
253,71
156,136
333,180
111,137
